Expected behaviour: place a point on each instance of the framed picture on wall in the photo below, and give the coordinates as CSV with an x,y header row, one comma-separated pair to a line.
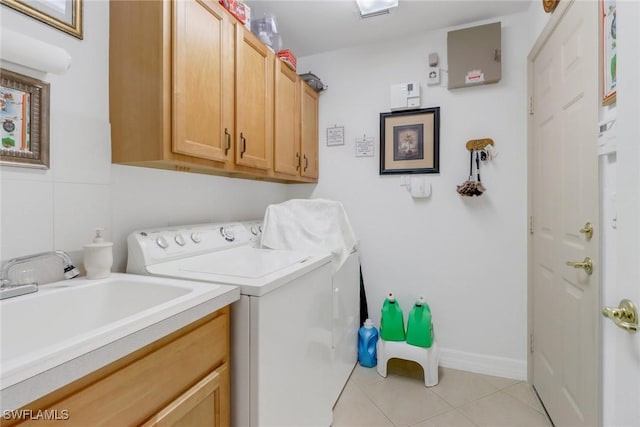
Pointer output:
x,y
409,141
24,121
609,52
65,15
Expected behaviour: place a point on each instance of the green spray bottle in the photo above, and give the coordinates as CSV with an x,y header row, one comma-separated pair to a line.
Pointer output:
x,y
419,326
392,320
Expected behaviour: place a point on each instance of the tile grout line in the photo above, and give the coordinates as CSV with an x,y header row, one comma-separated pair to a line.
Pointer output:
x,y
363,390
366,395
514,398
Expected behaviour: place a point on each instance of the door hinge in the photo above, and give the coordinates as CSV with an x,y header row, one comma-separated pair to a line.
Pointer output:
x,y
531,224
531,343
531,105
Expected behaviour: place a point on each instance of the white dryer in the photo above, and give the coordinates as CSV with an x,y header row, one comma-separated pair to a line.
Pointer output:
x,y
287,364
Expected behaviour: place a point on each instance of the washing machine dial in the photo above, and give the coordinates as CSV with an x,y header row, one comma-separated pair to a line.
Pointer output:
x,y
254,230
260,228
162,242
195,237
180,239
227,234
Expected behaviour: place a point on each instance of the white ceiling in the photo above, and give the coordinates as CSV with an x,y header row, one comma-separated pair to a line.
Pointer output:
x,y
308,27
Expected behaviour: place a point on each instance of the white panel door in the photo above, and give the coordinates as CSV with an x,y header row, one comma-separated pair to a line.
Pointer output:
x,y
566,314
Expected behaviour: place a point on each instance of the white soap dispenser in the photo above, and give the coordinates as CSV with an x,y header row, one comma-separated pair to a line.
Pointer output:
x,y
98,257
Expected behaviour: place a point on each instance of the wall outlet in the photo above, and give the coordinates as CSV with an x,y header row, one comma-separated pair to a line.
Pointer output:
x,y
433,76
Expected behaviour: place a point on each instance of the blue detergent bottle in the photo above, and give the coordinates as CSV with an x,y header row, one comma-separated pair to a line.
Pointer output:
x,y
367,340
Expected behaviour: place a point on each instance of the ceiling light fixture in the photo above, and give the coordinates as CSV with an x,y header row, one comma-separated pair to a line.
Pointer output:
x,y
369,8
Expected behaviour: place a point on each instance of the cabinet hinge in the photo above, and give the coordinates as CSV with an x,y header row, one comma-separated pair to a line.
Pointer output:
x,y
531,343
531,105
531,224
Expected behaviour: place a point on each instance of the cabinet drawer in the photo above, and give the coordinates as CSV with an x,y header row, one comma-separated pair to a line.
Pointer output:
x,y
136,391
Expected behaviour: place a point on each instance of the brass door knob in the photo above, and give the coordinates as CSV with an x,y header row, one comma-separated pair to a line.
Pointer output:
x,y
625,316
586,265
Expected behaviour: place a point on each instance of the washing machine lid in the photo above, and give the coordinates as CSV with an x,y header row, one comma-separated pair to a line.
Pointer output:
x,y
242,262
256,271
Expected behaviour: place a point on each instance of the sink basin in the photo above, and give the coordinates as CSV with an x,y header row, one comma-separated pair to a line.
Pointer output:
x,y
68,319
73,309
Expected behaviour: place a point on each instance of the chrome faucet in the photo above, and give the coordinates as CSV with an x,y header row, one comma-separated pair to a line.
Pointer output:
x,y
9,289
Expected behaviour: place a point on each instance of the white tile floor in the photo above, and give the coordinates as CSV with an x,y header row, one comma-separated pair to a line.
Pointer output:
x,y
461,399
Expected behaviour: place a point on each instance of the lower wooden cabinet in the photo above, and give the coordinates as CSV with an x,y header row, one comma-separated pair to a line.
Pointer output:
x,y
179,380
204,404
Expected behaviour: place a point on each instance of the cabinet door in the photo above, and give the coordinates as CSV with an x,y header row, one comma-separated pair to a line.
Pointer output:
x,y
287,120
254,101
309,144
204,404
202,81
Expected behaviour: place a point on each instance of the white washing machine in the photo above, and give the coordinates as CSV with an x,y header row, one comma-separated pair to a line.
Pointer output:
x,y
294,329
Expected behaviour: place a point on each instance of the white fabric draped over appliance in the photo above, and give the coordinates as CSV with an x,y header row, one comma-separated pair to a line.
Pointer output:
x,y
310,225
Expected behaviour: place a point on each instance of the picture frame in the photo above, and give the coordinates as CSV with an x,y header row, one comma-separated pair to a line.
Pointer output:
x,y
24,121
410,141
64,15
608,51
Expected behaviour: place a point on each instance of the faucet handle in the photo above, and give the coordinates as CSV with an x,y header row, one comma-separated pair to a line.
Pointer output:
x,y
71,271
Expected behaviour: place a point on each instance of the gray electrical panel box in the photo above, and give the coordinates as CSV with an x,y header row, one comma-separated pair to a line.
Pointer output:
x,y
474,56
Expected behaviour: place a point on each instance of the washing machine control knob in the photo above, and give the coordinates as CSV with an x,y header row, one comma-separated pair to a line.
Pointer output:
x,y
162,242
180,239
260,228
254,230
196,238
227,234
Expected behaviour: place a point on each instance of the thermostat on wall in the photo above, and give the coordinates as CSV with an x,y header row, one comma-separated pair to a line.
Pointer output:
x,y
405,96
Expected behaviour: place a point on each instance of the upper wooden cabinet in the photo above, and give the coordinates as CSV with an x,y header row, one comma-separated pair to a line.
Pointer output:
x,y
296,126
191,89
171,84
309,143
287,121
203,82
254,101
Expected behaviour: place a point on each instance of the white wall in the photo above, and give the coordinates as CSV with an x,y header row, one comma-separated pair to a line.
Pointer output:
x,y
466,256
621,350
59,208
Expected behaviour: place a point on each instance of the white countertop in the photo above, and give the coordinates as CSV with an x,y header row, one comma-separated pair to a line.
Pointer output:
x,y
33,366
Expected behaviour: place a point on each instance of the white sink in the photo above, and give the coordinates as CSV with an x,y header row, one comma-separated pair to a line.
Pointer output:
x,y
69,319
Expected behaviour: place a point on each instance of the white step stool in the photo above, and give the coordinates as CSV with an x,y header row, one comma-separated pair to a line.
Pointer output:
x,y
428,358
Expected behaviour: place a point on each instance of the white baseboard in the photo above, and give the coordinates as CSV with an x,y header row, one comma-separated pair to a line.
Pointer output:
x,y
483,364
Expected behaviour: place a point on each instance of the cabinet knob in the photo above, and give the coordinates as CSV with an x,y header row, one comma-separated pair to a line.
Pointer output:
x,y
297,161
306,162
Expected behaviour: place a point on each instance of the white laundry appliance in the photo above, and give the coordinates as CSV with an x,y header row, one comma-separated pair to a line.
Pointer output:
x,y
286,359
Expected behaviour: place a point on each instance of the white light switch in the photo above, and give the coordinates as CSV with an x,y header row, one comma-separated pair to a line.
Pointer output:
x,y
419,188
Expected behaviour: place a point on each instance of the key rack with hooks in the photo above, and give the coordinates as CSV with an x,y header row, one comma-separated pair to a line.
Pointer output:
x,y
473,186
479,144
